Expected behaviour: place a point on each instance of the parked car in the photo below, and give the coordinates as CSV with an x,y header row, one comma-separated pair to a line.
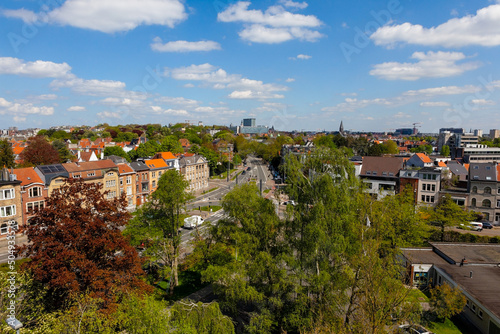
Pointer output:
x,y
473,226
487,225
193,222
413,329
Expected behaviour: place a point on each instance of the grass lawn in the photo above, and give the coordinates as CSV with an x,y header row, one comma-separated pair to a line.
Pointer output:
x,y
449,327
222,176
207,191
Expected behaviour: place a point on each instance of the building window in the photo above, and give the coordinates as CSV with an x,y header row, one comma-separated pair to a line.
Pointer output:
x,y
440,279
110,174
129,179
474,189
423,186
432,199
129,190
486,215
487,190
130,202
473,202
35,192
467,304
111,194
110,183
154,184
34,206
4,229
433,188
473,308
89,174
480,314
153,174
423,198
8,211
486,203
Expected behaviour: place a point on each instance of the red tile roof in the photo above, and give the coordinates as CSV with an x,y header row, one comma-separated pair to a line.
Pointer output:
x,y
27,176
424,157
166,155
124,169
156,163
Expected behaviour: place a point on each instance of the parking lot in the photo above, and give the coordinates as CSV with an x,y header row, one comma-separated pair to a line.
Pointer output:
x,y
494,232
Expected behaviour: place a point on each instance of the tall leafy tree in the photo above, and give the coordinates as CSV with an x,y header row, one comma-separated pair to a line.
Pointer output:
x,y
116,150
446,213
6,154
75,245
446,301
39,152
64,154
159,222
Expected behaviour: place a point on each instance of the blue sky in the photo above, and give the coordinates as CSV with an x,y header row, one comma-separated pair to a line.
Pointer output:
x,y
375,65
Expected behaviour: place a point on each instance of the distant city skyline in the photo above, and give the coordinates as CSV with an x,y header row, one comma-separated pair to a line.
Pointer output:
x,y
377,66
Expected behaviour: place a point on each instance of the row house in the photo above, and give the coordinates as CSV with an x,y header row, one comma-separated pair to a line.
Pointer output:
x,y
425,183
195,170
484,189
126,180
10,203
33,193
171,160
381,174
156,168
52,176
141,182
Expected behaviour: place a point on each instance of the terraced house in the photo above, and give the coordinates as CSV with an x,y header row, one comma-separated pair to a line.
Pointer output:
x,y
195,169
127,186
10,202
156,168
33,192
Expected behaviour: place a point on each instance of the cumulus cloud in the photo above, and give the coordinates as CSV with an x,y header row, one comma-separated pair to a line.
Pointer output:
x,y
20,110
172,112
482,102
290,80
108,16
77,108
217,78
91,87
429,65
480,29
275,25
108,114
183,46
435,104
34,69
293,5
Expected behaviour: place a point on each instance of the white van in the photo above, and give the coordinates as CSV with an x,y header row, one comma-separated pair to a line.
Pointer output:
x,y
193,222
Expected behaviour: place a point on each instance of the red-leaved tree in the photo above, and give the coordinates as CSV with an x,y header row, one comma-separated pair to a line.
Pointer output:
x,y
39,152
75,245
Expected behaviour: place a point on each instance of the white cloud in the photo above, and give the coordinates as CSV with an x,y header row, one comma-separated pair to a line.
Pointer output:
x,y
184,46
22,109
108,114
294,5
188,85
35,69
248,94
108,16
435,104
401,115
172,112
47,97
178,101
304,57
19,119
444,90
91,87
480,29
290,80
217,78
77,108
482,102
429,65
275,25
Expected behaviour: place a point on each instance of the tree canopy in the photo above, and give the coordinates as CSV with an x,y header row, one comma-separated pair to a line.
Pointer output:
x,y
39,152
6,154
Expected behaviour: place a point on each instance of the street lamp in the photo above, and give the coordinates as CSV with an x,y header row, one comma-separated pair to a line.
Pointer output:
x,y
14,324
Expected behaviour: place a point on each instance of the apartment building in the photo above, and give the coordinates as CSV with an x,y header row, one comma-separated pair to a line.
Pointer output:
x,y
141,182
484,188
33,192
195,169
156,168
127,184
53,176
381,175
10,203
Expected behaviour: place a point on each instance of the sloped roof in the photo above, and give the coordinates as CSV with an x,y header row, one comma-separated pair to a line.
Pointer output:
x,y
424,157
441,164
167,155
456,168
485,171
156,163
124,169
27,176
17,149
382,166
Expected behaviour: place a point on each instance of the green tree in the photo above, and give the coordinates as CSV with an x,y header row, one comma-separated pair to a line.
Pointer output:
x,y
171,144
446,301
159,222
446,213
445,151
389,147
6,154
116,150
64,154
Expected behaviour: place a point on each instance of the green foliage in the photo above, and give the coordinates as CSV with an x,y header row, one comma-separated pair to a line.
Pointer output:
x,y
424,148
446,301
64,154
171,144
6,154
116,150
446,213
389,147
445,151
